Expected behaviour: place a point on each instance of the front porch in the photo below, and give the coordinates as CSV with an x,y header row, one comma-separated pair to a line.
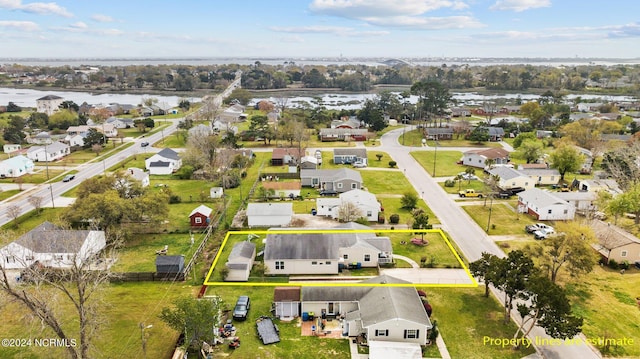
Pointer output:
x,y
327,328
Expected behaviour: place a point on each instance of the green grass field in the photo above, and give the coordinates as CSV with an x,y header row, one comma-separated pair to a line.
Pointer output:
x,y
504,219
436,251
445,162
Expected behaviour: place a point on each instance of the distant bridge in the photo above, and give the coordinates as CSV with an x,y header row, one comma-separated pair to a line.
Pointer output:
x,y
396,62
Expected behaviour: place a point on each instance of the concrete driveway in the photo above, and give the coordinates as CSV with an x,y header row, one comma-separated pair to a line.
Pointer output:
x,y
420,276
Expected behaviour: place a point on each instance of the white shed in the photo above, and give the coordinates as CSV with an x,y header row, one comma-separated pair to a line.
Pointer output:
x,y
216,192
269,214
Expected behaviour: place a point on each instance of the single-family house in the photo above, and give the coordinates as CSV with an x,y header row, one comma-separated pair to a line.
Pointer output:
x,y
529,166
349,155
543,134
308,163
289,189
164,162
478,158
200,130
325,252
219,126
286,302
346,122
338,180
438,133
16,166
200,217
495,133
139,175
460,112
233,113
52,246
597,185
615,243
584,202
286,156
545,206
216,192
380,313
343,134
542,176
41,138
48,153
511,178
366,203
49,104
269,214
240,261
11,147
587,157
120,123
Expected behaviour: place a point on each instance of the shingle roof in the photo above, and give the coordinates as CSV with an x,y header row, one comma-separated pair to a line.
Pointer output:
x,y
612,236
49,97
332,175
202,209
492,153
48,238
286,294
358,152
269,209
505,173
540,198
169,153
242,249
540,172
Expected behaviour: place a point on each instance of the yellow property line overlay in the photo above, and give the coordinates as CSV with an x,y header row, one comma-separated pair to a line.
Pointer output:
x,y
473,283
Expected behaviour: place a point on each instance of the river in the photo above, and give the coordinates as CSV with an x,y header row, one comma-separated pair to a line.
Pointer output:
x,y
27,98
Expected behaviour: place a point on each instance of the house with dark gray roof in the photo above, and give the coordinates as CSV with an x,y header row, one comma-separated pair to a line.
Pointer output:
x,y
349,155
438,133
379,313
240,261
303,252
52,246
338,180
164,162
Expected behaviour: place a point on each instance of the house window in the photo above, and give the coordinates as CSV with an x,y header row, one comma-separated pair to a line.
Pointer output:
x,y
623,253
11,259
526,184
549,211
353,186
198,220
368,213
315,182
29,258
279,264
314,263
382,332
58,257
327,262
566,211
339,185
411,333
345,256
367,257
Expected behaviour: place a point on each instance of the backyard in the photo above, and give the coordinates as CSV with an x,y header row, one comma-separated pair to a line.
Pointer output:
x,y
504,219
445,162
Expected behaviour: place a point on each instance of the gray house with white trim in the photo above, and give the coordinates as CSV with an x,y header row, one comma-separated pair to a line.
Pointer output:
x,y
339,180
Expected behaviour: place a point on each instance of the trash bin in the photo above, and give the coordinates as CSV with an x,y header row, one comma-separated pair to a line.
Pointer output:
x,y
313,211
305,316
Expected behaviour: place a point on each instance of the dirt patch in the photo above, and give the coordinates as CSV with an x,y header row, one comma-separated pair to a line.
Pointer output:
x,y
311,221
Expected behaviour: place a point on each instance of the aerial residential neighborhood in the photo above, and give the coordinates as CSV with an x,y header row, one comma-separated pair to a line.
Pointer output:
x,y
308,180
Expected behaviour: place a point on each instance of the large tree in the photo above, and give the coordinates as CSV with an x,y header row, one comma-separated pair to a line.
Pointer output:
x,y
510,275
433,98
196,318
530,150
481,270
77,290
545,304
622,164
372,115
569,251
566,158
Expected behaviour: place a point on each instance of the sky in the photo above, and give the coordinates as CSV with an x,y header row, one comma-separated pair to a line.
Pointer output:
x,y
320,28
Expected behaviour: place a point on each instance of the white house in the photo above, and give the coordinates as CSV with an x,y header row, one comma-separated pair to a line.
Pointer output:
x,y
478,158
16,166
511,178
383,314
219,126
200,130
323,253
366,203
10,147
164,162
542,176
49,104
52,246
240,261
48,153
216,192
139,175
269,214
582,201
597,185
41,138
545,206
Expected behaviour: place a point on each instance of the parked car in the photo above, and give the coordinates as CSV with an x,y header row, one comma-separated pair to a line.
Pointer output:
x,y
326,192
543,233
144,144
359,164
470,193
468,176
68,178
507,193
242,307
537,226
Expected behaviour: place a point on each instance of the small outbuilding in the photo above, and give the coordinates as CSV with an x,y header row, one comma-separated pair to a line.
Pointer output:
x,y
216,192
269,214
166,265
240,261
200,217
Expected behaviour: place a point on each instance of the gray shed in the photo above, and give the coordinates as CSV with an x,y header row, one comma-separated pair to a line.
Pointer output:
x,y
169,264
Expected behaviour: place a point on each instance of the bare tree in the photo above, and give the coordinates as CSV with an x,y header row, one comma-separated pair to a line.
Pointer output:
x,y
281,103
349,212
14,212
36,202
69,280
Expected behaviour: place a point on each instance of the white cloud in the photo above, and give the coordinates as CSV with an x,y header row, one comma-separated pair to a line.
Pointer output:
x,y
519,5
41,8
357,9
335,30
102,18
427,23
19,25
79,25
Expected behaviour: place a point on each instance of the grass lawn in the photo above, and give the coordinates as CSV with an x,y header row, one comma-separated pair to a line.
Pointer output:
x,y
476,185
372,160
123,308
38,176
504,220
437,251
10,193
465,317
445,162
30,220
386,182
392,205
292,344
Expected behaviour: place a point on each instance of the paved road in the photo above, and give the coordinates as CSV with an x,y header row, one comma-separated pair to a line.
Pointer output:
x,y
470,238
